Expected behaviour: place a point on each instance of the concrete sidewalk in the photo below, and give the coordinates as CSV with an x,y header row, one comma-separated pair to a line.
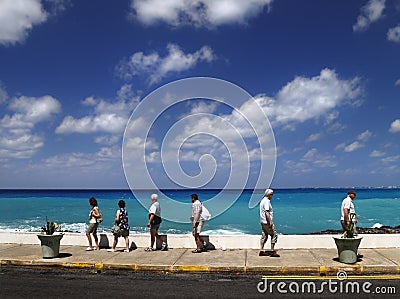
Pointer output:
x,y
315,262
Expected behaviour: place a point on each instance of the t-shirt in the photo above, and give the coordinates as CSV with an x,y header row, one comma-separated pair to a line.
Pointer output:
x,y
197,208
347,203
265,205
155,209
92,219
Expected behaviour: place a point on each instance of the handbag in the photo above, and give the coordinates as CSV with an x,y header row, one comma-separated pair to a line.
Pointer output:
x,y
156,220
116,230
100,218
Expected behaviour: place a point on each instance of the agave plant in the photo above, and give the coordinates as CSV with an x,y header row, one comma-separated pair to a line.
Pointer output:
x,y
50,227
349,233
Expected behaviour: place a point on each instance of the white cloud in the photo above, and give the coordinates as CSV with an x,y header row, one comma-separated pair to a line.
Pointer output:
x,y
85,162
3,94
357,144
107,117
311,159
353,146
199,13
371,12
318,159
307,98
17,139
158,67
395,126
17,18
394,36
313,137
376,154
365,136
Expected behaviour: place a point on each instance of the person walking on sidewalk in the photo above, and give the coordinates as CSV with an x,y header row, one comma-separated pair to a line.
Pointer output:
x,y
197,223
121,219
93,224
267,225
348,213
154,224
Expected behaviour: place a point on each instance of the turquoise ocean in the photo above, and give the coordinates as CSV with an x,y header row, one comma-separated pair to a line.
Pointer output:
x,y
296,211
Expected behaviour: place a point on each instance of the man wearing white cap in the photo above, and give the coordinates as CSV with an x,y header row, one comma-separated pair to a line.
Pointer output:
x,y
267,225
154,223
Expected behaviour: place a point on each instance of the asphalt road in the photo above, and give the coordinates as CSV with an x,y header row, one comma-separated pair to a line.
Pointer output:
x,y
34,283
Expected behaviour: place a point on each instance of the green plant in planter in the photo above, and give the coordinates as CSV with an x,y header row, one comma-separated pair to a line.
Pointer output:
x,y
349,233
50,227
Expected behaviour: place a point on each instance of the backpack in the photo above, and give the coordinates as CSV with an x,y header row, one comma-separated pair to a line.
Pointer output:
x,y
100,218
205,213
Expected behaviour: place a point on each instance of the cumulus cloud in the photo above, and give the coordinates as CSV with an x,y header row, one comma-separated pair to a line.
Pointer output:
x,y
395,126
158,67
16,130
376,154
313,137
360,141
107,117
394,36
307,98
17,18
365,136
3,94
311,159
198,13
370,12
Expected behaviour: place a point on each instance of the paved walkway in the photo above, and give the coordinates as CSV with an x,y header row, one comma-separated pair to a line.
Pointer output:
x,y
314,262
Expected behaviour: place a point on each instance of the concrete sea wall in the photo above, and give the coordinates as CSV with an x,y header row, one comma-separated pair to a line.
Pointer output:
x,y
219,241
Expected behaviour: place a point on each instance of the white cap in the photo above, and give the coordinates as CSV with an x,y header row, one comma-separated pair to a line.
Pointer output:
x,y
269,192
154,196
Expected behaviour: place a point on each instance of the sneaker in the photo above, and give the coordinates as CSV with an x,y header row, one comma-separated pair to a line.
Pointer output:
x,y
164,247
263,253
360,256
126,250
197,250
89,249
111,250
274,254
149,249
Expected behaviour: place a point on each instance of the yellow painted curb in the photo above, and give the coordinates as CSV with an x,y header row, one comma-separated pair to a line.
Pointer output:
x,y
322,270
78,265
192,268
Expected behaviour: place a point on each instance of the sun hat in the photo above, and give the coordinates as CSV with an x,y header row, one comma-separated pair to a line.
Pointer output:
x,y
269,192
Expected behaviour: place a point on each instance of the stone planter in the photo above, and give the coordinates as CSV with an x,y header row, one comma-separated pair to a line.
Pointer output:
x,y
347,248
50,244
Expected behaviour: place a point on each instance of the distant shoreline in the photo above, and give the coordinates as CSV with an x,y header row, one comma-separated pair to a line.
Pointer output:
x,y
363,230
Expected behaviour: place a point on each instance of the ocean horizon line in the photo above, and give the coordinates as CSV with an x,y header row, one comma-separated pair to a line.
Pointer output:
x,y
200,189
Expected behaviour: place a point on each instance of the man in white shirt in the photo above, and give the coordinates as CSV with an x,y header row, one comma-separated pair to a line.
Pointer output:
x,y
347,211
197,223
154,223
267,225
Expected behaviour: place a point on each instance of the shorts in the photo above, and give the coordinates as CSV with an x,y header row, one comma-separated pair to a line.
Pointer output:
x,y
124,233
199,227
92,228
268,231
155,226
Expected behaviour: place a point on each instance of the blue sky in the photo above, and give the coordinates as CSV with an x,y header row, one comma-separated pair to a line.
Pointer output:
x,y
326,74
